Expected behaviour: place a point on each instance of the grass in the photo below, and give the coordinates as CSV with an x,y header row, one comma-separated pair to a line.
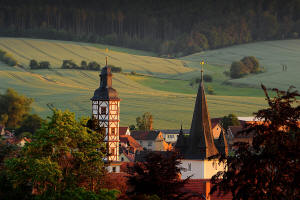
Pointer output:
x,y
271,54
56,51
161,86
72,89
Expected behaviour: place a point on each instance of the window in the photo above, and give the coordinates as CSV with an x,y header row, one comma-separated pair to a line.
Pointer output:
x,y
122,159
103,110
112,151
114,169
113,131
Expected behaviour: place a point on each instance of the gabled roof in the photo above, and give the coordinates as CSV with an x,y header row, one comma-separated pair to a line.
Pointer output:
x,y
142,135
127,139
201,141
221,143
123,130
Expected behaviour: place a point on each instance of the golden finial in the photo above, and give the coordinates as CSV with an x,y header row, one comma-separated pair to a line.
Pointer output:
x,y
202,64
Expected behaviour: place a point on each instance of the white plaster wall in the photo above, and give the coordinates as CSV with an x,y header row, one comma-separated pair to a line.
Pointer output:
x,y
197,169
110,168
200,169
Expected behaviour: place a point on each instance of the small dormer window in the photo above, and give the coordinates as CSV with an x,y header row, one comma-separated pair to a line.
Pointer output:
x,y
103,110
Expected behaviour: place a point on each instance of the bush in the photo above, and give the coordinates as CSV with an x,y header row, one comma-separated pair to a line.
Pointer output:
x,y
44,65
83,64
115,69
69,64
33,64
93,66
238,70
207,78
248,64
133,72
7,58
210,90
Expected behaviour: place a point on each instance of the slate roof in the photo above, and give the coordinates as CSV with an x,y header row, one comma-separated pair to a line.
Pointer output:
x,y
201,142
105,90
142,135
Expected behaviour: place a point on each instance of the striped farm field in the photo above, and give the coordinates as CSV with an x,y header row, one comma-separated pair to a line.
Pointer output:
x,y
169,100
271,54
56,51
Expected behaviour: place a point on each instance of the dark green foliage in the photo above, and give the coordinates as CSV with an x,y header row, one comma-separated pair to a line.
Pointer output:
x,y
115,69
230,120
158,175
31,123
83,65
238,70
132,127
247,65
207,78
7,59
145,122
13,108
33,64
167,27
133,72
79,194
64,155
210,90
69,64
93,66
269,169
44,65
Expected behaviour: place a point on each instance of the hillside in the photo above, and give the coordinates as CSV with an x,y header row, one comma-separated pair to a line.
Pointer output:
x,y
170,100
271,55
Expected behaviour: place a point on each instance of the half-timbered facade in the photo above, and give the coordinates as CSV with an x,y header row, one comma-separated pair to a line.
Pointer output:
x,y
106,108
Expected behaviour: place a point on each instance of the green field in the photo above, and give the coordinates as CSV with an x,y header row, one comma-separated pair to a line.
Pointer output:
x,y
271,54
161,86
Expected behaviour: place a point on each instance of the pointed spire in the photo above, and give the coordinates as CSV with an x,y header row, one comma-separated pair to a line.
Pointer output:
x,y
222,143
106,61
181,131
201,142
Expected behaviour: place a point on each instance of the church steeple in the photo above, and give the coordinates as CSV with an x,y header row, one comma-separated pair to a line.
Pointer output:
x,y
105,90
201,142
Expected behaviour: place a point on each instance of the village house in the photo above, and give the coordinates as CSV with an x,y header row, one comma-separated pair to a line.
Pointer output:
x,y
151,140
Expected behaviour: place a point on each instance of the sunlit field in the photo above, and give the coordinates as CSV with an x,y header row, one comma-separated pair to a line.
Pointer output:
x,y
160,87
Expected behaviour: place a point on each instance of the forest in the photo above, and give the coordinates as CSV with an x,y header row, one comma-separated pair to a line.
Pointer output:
x,y
169,28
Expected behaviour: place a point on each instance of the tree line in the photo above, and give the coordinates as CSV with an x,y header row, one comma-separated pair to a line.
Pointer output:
x,y
70,64
172,28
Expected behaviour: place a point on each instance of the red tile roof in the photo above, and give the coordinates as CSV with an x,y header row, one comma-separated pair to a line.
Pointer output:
x,y
123,130
129,140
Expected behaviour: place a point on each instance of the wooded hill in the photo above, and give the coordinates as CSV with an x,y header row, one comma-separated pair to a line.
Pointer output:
x,y
174,27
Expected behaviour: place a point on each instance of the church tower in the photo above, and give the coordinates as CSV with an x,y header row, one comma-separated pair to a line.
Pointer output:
x,y
106,108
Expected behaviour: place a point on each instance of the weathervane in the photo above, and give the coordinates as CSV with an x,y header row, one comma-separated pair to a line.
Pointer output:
x,y
202,64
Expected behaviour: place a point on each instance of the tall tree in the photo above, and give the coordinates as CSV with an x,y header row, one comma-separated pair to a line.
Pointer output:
x,y
13,107
270,168
145,122
158,175
63,155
